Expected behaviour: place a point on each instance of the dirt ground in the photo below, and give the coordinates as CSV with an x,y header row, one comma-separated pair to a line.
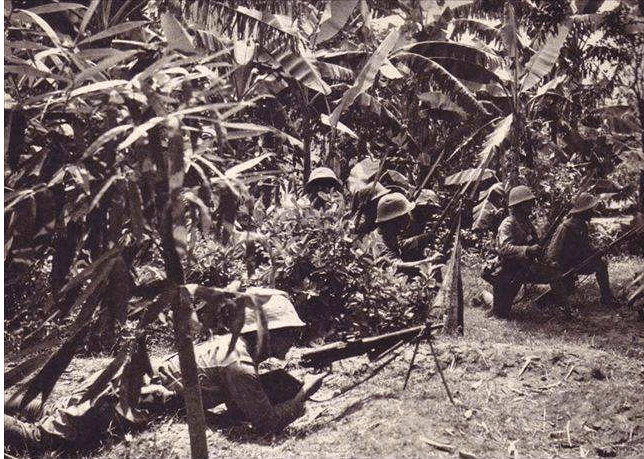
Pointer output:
x,y
539,385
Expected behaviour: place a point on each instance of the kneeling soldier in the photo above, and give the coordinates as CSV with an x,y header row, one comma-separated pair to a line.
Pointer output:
x,y
519,251
570,246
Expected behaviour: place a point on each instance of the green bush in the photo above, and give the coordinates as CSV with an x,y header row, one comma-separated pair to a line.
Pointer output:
x,y
340,285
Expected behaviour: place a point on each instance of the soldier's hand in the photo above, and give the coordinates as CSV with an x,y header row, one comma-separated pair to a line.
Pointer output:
x,y
312,383
533,251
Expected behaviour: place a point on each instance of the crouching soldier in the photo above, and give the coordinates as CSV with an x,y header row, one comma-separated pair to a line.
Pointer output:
x,y
519,252
393,219
570,246
365,207
321,181
232,380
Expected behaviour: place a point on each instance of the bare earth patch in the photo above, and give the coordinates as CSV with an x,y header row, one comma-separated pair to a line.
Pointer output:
x,y
540,385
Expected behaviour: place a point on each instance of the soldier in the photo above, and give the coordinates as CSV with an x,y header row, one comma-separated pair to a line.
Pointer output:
x,y
393,218
232,379
519,251
365,207
570,246
321,180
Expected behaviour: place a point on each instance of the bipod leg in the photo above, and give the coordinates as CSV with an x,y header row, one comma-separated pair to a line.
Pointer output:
x,y
440,372
411,364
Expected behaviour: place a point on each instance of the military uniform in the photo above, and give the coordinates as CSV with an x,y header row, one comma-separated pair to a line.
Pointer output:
x,y
570,245
516,241
517,267
230,379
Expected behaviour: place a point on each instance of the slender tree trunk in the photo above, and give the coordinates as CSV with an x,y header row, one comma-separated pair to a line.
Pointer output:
x,y
171,241
307,134
640,106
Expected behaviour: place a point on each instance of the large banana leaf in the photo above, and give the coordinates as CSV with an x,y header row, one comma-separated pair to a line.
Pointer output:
x,y
240,22
335,72
494,141
454,50
485,29
447,82
543,60
301,67
442,106
509,33
335,16
472,72
175,34
468,175
484,211
366,77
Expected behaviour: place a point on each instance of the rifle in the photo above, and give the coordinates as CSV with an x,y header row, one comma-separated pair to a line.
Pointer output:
x,y
375,347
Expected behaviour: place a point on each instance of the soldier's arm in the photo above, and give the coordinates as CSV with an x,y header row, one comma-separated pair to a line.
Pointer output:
x,y
246,394
414,245
507,243
556,247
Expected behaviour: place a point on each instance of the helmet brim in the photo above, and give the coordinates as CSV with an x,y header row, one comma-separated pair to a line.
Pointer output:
x,y
584,208
408,208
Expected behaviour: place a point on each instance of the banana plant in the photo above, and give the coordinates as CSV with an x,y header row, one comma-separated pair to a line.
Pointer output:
x,y
118,133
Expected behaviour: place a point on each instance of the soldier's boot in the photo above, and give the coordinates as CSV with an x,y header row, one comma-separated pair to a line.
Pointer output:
x,y
22,436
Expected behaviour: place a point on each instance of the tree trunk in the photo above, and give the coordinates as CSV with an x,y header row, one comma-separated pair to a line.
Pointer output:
x,y
640,106
170,244
306,158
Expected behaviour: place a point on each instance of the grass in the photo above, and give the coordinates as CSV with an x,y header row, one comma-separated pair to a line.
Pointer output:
x,y
539,385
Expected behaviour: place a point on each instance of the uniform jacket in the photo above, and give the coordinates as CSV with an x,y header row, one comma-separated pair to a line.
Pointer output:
x,y
514,237
570,244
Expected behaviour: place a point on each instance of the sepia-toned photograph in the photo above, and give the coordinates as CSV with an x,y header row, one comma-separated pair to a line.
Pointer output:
x,y
323,229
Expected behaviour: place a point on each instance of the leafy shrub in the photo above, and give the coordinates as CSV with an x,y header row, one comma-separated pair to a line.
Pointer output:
x,y
339,284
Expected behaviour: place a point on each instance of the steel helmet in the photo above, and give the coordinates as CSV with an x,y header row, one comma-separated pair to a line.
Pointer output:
x,y
392,206
583,202
280,313
520,194
322,173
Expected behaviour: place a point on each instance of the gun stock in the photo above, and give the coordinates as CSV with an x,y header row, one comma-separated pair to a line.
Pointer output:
x,y
372,346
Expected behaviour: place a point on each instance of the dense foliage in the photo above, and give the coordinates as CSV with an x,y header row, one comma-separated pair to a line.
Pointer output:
x,y
141,138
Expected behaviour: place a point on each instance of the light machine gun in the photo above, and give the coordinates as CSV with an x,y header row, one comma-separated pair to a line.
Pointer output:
x,y
375,347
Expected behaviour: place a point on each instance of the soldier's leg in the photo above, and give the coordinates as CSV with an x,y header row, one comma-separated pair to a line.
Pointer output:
x,y
31,412
599,267
545,274
26,436
504,290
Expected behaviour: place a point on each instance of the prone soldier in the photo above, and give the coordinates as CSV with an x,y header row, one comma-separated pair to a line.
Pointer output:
x,y
231,379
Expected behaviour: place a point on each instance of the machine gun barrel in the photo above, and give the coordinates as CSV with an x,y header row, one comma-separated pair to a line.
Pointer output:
x,y
372,345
